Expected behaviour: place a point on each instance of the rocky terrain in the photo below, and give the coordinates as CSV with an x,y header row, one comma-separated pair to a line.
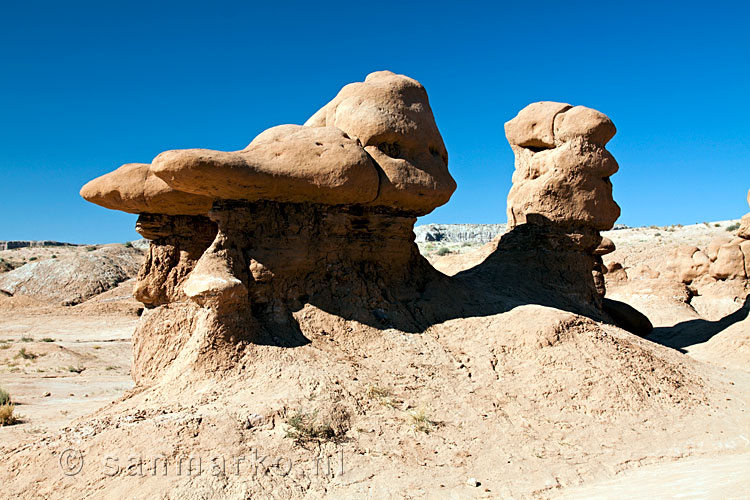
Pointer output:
x,y
474,234
284,337
10,245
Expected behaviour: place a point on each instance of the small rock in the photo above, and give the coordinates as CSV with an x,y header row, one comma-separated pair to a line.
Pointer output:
x,y
47,394
472,481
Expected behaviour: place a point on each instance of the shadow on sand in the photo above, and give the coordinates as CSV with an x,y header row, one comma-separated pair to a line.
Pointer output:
x,y
697,331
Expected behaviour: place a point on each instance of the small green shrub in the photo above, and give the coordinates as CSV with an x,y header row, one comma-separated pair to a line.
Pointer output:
x,y
128,244
32,258
48,339
53,256
75,369
733,227
717,225
90,249
443,251
303,428
23,353
4,397
27,339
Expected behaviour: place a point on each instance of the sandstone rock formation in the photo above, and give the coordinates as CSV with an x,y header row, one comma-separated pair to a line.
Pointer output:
x,y
688,263
561,183
562,167
134,188
744,231
560,201
733,258
321,213
725,258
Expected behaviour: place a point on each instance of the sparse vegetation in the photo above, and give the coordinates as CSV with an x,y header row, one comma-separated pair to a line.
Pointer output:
x,y
110,368
75,369
443,251
90,249
27,339
717,225
4,346
23,353
303,427
53,256
421,421
733,227
657,234
32,258
128,244
4,397
48,339
6,414
382,395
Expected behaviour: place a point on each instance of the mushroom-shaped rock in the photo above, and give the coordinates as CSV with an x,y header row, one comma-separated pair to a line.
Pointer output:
x,y
134,188
390,114
562,167
288,163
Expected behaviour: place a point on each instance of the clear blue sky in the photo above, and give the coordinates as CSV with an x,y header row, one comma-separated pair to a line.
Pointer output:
x,y
88,86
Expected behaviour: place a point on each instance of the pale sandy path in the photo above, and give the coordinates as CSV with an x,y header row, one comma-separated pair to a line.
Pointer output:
x,y
723,477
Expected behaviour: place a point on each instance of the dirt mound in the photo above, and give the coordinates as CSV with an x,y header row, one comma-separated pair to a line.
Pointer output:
x,y
73,278
454,264
117,300
541,395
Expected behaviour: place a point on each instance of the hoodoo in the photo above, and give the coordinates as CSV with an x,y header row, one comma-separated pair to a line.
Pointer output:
x,y
321,213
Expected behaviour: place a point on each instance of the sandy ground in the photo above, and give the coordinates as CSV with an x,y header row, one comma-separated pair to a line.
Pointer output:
x,y
722,477
61,363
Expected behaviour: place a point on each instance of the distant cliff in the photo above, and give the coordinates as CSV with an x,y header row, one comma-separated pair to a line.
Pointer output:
x,y
458,233
10,245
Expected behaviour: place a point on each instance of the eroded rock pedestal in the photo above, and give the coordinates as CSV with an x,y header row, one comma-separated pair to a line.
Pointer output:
x,y
561,190
319,214
560,201
323,214
271,258
177,242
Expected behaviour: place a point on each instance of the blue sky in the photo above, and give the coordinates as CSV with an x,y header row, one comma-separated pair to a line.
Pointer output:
x,y
86,87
